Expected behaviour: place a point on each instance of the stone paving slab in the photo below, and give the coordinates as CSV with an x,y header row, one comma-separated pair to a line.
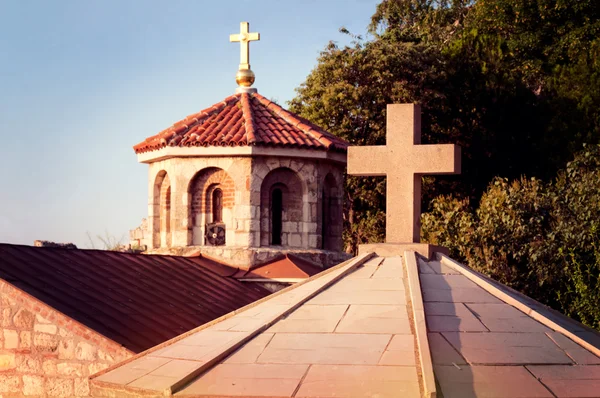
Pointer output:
x,y
362,273
311,319
520,324
500,311
569,381
237,387
459,295
507,348
437,268
176,368
359,381
154,382
324,348
249,352
579,354
391,268
445,282
383,297
400,351
570,389
353,285
466,323
447,309
565,372
489,382
374,325
442,352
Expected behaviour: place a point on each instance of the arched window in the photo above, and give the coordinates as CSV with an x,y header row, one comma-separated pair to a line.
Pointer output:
x,y
217,205
276,216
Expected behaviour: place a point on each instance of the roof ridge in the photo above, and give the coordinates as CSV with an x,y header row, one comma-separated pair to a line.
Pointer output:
x,y
293,120
248,119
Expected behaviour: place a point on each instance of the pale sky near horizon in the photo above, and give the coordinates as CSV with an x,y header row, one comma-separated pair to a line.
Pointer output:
x,y
81,82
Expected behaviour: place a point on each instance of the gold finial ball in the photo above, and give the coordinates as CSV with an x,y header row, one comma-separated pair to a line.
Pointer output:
x,y
245,77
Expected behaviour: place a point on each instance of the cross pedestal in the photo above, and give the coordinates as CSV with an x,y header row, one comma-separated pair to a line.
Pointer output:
x,y
403,161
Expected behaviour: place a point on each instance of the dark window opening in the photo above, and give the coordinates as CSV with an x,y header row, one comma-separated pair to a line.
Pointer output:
x,y
217,205
276,216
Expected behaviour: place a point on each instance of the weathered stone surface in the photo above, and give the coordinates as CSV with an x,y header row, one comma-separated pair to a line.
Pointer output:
x,y
105,356
49,367
41,319
66,349
11,339
23,319
25,340
27,364
69,369
33,385
45,342
9,383
7,361
7,317
45,328
96,367
82,387
85,351
56,387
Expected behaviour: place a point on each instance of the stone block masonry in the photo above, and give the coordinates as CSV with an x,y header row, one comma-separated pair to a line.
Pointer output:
x,y
44,353
278,202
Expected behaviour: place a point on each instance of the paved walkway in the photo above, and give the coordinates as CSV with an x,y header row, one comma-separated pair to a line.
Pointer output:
x,y
483,347
352,340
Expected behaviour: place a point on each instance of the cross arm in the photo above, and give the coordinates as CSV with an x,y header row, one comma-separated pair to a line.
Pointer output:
x,y
367,160
437,159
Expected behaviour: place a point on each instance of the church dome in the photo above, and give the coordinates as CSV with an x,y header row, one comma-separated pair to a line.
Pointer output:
x,y
244,119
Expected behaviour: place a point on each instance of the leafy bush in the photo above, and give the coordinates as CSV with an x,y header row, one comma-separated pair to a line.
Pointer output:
x,y
542,239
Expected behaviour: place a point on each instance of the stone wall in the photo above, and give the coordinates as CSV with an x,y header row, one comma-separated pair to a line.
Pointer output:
x,y
43,353
139,238
312,194
182,173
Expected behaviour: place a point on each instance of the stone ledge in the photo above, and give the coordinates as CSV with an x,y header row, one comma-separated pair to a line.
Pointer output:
x,y
246,258
418,309
397,249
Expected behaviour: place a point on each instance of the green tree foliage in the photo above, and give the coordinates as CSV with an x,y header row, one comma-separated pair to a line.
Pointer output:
x,y
511,81
540,238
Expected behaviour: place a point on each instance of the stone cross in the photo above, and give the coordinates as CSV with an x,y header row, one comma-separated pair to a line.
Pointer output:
x,y
244,37
404,162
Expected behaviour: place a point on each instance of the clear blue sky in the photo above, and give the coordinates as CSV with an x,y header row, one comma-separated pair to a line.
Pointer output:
x,y
81,82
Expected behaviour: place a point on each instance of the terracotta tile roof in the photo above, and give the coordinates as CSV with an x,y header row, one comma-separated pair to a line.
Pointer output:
x,y
285,266
241,120
137,300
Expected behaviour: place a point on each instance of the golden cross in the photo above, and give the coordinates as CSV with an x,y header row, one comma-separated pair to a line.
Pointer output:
x,y
244,37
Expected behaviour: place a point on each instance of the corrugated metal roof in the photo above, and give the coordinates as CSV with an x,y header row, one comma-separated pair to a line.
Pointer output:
x,y
137,300
241,120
